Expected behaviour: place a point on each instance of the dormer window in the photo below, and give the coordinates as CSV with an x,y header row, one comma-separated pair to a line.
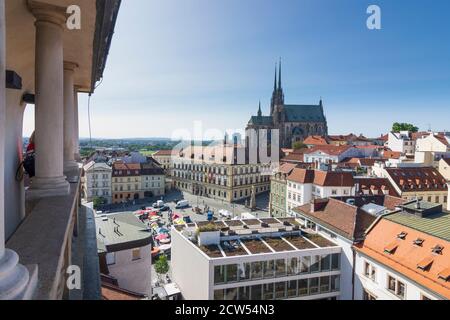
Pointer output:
x,y
402,236
419,242
390,249
444,275
437,249
425,264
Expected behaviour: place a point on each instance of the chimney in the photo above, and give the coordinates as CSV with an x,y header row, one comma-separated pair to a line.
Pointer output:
x,y
318,204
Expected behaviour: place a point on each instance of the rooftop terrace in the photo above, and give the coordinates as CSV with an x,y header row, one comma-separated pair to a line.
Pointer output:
x,y
254,236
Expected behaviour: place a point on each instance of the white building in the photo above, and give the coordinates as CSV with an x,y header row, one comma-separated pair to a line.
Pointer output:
x,y
97,181
403,256
328,154
303,185
255,259
432,148
124,248
401,142
444,168
344,224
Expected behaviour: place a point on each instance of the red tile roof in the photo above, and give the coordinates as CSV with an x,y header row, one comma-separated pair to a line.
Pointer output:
x,y
418,179
376,186
345,219
315,140
329,149
388,154
163,153
322,178
408,257
121,169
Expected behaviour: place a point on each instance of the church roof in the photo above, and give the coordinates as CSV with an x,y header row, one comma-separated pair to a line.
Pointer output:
x,y
263,120
304,113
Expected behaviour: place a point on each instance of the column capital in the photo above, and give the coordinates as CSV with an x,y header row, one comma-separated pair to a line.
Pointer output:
x,y
71,66
45,12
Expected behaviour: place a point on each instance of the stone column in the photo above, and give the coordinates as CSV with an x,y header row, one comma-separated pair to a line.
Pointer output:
x,y
76,134
69,117
14,277
49,114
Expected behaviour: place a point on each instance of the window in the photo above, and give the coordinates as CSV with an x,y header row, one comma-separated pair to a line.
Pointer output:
x,y
280,270
136,253
219,295
396,287
219,274
268,291
303,287
292,289
335,261
313,286
370,271
231,294
269,269
244,272
315,264
256,292
325,263
111,258
368,296
280,290
244,293
424,297
335,283
292,266
232,273
305,264
324,284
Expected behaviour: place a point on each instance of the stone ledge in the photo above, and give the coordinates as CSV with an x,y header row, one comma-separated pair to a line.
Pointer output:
x,y
43,238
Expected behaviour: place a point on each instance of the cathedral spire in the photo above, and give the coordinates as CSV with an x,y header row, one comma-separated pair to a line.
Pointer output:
x,y
279,77
275,82
259,109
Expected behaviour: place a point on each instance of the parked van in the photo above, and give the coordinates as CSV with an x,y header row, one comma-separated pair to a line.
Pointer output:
x,y
182,204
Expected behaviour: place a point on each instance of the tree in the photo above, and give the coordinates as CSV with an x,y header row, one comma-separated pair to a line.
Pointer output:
x,y
162,266
397,127
299,145
98,201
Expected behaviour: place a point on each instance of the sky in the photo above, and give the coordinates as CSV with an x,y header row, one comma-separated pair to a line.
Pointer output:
x,y
176,62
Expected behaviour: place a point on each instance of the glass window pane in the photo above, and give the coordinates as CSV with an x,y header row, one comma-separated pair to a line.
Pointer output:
x,y
292,289
280,290
232,272
256,270
269,267
314,286
219,274
315,264
268,291
256,293
303,287
335,261
281,268
325,263
219,295
305,265
244,293
231,294
324,284
292,266
335,283
244,271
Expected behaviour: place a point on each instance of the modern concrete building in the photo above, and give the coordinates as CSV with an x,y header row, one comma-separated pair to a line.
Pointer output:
x,y
124,248
47,64
97,182
256,259
404,255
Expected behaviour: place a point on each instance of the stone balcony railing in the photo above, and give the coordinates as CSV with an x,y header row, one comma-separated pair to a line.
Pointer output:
x,y
59,232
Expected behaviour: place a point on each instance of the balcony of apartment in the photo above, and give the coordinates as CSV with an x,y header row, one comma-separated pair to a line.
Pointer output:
x,y
46,234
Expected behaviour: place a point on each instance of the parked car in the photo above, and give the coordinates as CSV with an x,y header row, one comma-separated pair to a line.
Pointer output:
x,y
164,208
182,204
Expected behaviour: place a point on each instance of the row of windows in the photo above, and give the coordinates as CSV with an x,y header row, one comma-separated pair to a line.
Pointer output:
x,y
393,285
275,268
437,199
281,290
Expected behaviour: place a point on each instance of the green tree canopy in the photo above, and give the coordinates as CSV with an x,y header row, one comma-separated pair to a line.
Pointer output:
x,y
397,127
162,265
299,145
98,201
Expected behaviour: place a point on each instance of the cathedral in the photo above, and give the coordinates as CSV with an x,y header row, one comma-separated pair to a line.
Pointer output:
x,y
294,122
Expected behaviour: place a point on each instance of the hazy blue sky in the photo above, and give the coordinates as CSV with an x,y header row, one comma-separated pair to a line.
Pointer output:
x,y
173,62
